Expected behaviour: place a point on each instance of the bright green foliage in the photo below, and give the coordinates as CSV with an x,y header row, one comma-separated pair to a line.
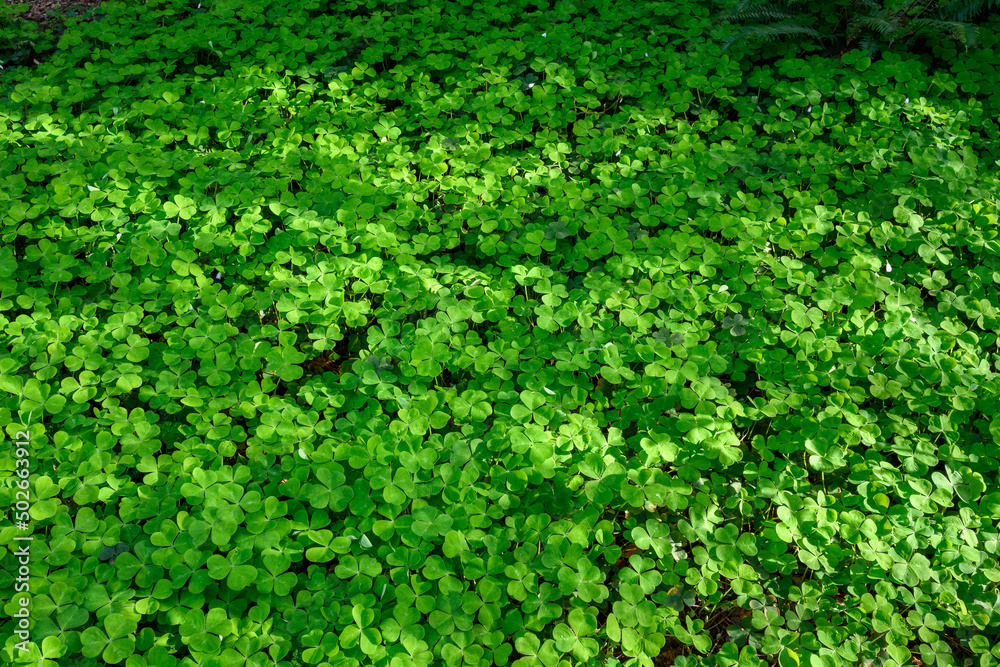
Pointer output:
x,y
464,334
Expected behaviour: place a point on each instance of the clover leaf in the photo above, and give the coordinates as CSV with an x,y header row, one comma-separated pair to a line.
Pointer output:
x,y
297,368
736,324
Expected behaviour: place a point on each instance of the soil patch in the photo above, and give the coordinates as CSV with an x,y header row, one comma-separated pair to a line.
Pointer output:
x,y
48,16
44,12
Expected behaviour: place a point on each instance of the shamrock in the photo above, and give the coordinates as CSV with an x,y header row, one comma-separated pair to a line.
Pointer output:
x,y
110,553
736,324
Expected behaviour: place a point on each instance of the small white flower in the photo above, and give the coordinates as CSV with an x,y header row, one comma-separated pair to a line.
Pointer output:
x,y
202,102
913,319
647,55
543,34
906,101
888,267
618,153
218,275
531,85
809,110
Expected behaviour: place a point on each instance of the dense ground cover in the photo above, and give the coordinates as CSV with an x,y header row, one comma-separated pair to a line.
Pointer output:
x,y
426,333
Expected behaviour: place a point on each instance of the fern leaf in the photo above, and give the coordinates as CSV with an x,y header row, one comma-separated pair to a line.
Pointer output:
x,y
878,24
754,14
963,11
965,33
871,45
768,33
871,5
747,11
960,10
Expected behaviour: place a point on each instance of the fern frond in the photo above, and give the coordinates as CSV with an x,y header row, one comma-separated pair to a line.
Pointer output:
x,y
964,10
870,44
768,33
871,5
878,24
747,11
965,33
755,14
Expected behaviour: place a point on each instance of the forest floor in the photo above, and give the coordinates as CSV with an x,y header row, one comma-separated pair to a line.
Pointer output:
x,y
46,12
49,16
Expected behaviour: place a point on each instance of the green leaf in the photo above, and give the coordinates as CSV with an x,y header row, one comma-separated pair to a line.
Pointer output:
x,y
788,658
